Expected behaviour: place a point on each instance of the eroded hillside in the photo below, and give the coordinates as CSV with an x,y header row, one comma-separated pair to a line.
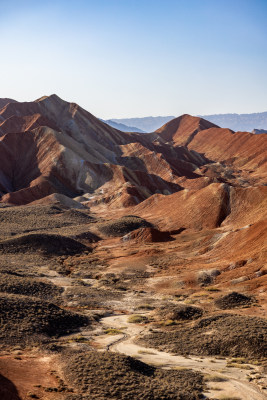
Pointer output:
x,y
133,266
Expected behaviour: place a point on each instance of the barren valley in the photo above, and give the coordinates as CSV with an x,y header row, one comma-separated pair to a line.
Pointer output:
x,y
133,266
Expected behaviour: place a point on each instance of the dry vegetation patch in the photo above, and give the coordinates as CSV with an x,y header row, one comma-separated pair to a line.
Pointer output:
x,y
178,312
10,283
137,319
112,376
21,220
45,243
124,225
86,296
23,319
233,300
224,334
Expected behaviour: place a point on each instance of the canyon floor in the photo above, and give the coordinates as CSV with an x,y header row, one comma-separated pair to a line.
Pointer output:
x,y
98,305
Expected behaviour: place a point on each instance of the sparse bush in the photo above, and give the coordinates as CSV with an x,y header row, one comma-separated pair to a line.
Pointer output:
x,y
146,352
112,331
145,307
236,365
212,289
215,378
137,319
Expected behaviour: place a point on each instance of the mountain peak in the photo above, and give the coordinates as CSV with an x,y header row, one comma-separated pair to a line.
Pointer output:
x,y
180,130
5,101
52,97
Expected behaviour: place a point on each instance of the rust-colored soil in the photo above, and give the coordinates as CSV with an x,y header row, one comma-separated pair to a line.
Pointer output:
x,y
22,376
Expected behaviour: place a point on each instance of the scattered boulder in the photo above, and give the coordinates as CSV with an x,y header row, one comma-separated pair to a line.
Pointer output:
x,y
239,280
237,264
207,277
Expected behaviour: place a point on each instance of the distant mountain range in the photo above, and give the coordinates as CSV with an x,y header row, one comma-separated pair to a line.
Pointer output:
x,y
122,127
239,122
236,122
259,131
146,124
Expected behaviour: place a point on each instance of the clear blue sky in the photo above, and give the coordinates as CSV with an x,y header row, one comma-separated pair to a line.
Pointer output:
x,y
130,58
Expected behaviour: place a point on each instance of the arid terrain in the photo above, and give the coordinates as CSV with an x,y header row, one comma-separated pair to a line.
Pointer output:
x,y
133,266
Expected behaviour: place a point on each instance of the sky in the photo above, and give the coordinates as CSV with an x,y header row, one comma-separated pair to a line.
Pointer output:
x,y
136,58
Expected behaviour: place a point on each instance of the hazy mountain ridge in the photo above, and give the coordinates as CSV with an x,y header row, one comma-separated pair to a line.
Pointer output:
x,y
236,122
259,131
146,124
122,127
239,122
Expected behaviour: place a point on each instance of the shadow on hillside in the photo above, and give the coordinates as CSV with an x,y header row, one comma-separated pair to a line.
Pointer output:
x,y
8,390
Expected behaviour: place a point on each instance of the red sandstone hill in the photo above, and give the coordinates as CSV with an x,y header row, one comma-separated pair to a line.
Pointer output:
x,y
210,207
50,146
182,130
241,150
5,101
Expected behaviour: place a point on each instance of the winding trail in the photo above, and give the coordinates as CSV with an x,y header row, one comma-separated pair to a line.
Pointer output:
x,y
117,341
239,383
234,380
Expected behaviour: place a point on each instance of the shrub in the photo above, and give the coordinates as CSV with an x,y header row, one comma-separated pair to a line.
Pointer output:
x,y
137,319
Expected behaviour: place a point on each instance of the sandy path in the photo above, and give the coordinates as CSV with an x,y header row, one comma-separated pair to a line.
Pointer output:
x,y
236,379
